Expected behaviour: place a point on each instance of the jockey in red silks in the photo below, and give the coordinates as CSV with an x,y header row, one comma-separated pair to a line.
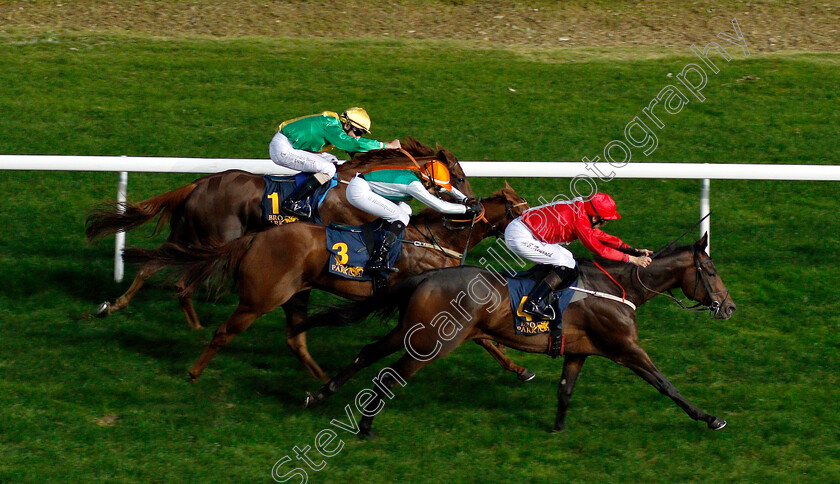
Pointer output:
x,y
537,234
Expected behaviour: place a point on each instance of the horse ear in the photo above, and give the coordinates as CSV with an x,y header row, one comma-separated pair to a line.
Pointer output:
x,y
507,186
446,156
703,242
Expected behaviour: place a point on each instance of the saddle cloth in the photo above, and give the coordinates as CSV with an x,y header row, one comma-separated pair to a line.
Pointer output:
x,y
518,288
278,188
351,246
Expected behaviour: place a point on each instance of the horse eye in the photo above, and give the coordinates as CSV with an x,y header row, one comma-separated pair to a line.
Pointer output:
x,y
460,180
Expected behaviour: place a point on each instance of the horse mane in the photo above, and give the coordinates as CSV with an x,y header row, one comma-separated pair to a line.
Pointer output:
x,y
618,268
409,144
671,250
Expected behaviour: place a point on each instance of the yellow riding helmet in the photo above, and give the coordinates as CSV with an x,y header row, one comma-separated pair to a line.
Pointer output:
x,y
437,173
357,117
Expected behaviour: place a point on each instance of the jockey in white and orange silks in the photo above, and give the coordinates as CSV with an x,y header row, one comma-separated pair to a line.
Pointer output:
x,y
384,192
538,233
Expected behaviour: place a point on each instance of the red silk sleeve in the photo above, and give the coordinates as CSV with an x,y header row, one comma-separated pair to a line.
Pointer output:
x,y
589,238
609,240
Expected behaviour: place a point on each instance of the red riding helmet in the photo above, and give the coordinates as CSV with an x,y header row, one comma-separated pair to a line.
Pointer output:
x,y
601,205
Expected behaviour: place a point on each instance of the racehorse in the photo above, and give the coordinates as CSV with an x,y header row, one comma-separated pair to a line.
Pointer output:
x,y
428,330
272,266
224,206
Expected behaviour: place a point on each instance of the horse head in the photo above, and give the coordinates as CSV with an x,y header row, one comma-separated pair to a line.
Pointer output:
x,y
501,208
700,281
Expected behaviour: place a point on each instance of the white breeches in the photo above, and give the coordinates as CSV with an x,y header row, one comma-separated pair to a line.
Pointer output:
x,y
362,197
283,154
521,241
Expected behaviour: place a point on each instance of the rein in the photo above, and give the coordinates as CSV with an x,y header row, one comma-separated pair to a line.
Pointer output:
x,y
481,217
434,243
714,307
406,153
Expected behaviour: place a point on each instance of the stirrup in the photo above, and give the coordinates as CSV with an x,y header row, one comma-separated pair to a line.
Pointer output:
x,y
534,309
380,266
298,208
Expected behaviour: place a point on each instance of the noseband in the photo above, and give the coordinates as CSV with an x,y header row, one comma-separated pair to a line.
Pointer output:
x,y
714,307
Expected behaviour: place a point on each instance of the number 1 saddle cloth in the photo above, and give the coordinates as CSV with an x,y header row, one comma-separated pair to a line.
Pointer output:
x,y
278,188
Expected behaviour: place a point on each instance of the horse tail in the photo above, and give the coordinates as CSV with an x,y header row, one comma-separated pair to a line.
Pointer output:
x,y
384,304
194,265
111,218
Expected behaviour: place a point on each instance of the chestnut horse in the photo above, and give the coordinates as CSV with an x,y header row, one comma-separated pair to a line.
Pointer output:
x,y
272,266
592,326
224,206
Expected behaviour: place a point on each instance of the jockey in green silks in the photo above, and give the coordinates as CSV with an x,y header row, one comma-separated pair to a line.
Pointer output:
x,y
302,143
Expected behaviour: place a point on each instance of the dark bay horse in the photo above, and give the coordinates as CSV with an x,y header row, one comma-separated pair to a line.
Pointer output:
x,y
428,330
224,206
272,266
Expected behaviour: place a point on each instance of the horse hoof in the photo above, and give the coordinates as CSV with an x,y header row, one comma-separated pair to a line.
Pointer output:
x,y
310,400
557,430
526,375
367,435
104,310
717,424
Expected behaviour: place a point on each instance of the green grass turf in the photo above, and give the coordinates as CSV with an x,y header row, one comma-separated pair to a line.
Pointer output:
x,y
771,371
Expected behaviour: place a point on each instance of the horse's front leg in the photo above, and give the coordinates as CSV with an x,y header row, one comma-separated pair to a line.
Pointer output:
x,y
572,365
497,352
369,355
639,361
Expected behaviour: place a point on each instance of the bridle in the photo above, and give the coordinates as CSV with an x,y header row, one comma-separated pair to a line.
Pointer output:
x,y
714,307
481,217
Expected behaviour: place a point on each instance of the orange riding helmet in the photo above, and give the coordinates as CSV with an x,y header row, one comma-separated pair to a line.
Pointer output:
x,y
437,173
601,205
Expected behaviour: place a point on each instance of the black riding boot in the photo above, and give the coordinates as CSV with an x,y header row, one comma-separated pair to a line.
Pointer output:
x,y
378,261
296,203
540,299
542,305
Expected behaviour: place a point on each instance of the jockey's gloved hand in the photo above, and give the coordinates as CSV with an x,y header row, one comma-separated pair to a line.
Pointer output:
x,y
474,207
632,251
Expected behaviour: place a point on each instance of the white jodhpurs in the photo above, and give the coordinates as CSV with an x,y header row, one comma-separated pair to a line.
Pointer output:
x,y
362,197
282,153
521,241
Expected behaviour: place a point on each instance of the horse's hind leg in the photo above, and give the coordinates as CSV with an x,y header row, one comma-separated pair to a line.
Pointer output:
x,y
295,309
122,302
639,361
189,312
497,352
369,355
572,365
187,306
236,323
